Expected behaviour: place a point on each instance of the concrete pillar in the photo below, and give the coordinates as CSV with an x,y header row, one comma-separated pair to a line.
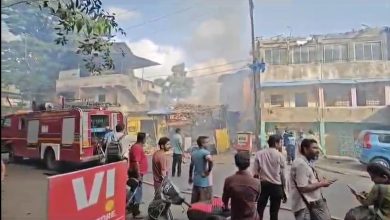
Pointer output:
x,y
321,104
387,95
292,100
353,97
78,96
321,99
322,136
263,140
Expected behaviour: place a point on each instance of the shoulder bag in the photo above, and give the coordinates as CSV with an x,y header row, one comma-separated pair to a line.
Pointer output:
x,y
318,209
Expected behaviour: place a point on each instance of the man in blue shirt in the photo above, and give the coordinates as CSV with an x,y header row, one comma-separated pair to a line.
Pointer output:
x,y
178,149
201,167
108,137
290,147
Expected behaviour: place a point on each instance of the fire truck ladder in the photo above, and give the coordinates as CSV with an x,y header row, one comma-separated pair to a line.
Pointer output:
x,y
83,104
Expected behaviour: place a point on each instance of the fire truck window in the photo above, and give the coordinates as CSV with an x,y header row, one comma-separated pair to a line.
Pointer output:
x,y
6,122
68,129
32,131
22,124
98,125
99,121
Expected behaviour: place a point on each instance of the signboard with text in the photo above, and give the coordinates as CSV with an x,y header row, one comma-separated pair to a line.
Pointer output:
x,y
179,119
98,193
244,141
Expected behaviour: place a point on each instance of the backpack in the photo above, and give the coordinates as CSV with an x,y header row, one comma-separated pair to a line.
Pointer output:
x,y
114,150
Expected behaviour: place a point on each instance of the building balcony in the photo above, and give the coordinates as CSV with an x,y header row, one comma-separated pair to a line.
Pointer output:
x,y
367,114
318,71
87,85
298,114
93,81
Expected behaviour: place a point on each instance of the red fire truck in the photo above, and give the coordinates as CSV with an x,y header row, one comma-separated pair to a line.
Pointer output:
x,y
56,136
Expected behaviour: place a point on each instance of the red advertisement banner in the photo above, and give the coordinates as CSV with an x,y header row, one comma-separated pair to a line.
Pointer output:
x,y
98,193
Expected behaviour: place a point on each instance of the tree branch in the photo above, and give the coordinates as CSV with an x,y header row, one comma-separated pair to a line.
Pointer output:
x,y
20,2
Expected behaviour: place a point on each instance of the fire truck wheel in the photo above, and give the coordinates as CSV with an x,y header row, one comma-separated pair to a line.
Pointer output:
x,y
11,156
50,160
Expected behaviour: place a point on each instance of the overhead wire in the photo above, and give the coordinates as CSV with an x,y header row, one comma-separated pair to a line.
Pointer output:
x,y
219,72
205,75
220,65
205,68
159,18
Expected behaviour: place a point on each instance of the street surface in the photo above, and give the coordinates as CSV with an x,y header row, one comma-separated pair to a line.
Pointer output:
x,y
23,192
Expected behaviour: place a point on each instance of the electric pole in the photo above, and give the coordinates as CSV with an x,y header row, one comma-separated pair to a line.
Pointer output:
x,y
256,79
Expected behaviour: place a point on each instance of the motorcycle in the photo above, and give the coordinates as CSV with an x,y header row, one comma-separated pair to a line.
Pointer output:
x,y
168,194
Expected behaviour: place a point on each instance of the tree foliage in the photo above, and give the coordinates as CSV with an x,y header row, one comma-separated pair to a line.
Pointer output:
x,y
177,86
32,61
81,29
33,65
83,20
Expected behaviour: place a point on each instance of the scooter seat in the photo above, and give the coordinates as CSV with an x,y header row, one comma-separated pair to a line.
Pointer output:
x,y
203,210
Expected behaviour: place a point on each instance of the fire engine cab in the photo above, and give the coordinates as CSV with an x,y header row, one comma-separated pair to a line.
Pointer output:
x,y
55,136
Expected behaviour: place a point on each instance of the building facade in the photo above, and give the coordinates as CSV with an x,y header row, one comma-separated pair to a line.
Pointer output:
x,y
118,87
334,84
12,100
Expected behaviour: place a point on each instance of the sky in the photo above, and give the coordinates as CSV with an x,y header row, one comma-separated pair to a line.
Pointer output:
x,y
213,36
215,33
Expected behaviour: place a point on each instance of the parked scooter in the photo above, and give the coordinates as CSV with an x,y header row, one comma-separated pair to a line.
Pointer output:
x,y
169,194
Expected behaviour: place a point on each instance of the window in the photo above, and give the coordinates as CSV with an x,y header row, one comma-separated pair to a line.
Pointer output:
x,y
275,56
338,96
99,121
304,54
370,95
32,131
102,98
301,100
277,101
44,129
68,129
334,53
384,138
22,124
368,51
6,122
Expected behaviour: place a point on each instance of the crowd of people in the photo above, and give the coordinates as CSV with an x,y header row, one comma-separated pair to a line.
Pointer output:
x,y
247,192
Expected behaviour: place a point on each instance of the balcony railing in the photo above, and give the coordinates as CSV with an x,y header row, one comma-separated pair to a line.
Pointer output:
x,y
369,114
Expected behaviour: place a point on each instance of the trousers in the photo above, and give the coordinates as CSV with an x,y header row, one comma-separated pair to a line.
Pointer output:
x,y
274,193
176,163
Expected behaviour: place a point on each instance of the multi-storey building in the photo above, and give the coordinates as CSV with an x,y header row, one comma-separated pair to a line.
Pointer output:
x,y
118,87
335,84
12,100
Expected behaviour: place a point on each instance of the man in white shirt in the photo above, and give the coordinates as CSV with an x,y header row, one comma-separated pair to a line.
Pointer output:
x,y
178,150
305,180
269,168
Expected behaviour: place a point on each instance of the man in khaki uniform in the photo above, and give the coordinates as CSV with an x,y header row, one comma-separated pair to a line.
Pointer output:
x,y
305,181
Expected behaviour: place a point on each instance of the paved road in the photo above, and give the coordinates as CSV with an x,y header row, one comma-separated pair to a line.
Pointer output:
x,y
23,192
339,197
